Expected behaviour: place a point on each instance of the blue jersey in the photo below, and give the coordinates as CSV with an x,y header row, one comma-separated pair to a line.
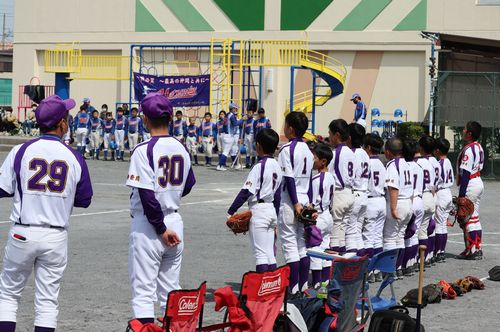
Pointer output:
x,y
108,126
249,126
221,126
134,125
192,131
95,125
233,125
178,128
121,123
81,120
208,129
360,111
260,124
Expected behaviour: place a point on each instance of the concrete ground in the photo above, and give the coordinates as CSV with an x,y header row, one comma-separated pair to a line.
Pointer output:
x,y
95,293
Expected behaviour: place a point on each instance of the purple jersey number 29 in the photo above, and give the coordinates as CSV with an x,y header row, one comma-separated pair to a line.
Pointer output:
x,y
56,170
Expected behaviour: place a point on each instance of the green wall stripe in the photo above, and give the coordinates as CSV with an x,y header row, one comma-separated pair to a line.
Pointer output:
x,y
299,14
362,15
144,21
188,15
5,91
245,14
416,19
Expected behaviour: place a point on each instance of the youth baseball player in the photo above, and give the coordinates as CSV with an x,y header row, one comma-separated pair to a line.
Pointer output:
x,y
323,187
208,131
47,179
296,162
261,122
248,138
231,139
359,110
135,127
342,167
108,134
68,137
470,165
94,132
192,140
80,124
262,191
221,131
399,193
120,133
160,174
354,227
146,135
444,198
178,127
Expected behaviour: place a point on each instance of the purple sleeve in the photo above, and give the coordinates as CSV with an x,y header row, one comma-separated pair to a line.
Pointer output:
x,y
464,182
310,191
190,181
277,200
84,191
292,190
3,194
242,197
152,210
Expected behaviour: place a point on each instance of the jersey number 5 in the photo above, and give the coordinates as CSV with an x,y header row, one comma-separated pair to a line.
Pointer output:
x,y
173,170
57,171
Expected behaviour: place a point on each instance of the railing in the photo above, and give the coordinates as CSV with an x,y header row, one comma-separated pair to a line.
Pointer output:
x,y
65,58
104,67
304,99
325,63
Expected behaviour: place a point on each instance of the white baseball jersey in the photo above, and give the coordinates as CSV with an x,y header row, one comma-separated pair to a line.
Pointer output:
x,y
47,178
376,183
418,178
343,166
445,173
323,186
296,161
399,176
429,173
437,171
163,165
362,170
263,181
472,158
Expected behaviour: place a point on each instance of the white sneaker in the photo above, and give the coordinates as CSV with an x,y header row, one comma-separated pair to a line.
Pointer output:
x,y
217,168
222,168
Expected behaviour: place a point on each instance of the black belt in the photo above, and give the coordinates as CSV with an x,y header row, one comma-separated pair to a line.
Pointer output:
x,y
29,225
131,132
375,196
419,196
208,136
260,201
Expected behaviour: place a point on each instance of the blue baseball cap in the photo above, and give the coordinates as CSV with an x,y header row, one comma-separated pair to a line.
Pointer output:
x,y
86,100
51,110
355,95
155,105
233,105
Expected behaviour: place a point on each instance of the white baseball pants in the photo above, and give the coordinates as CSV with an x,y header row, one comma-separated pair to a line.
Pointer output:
x,y
107,139
249,143
133,139
394,230
474,192
443,208
261,231
120,139
81,136
373,229
325,224
291,234
353,236
208,146
429,209
191,145
418,212
342,205
95,140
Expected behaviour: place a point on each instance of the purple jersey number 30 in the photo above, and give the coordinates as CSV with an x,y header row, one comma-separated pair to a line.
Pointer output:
x,y
173,170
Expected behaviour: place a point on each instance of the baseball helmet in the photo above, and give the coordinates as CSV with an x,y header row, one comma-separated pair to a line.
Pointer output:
x,y
113,145
375,123
375,112
398,113
382,123
375,132
385,134
200,148
399,122
243,149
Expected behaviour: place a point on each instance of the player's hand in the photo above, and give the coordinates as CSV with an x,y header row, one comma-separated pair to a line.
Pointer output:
x,y
241,141
245,117
395,215
170,238
298,208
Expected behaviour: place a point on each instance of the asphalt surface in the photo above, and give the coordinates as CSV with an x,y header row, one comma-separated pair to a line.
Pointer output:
x,y
95,294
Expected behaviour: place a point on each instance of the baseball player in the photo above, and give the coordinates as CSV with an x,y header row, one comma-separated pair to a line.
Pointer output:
x,y
120,133
160,174
444,198
399,193
262,191
208,131
376,209
88,107
192,140
359,110
80,124
470,165
248,138
355,224
178,127
94,132
135,129
261,122
47,179
108,134
145,132
426,145
407,260
68,137
221,131
230,140
296,161
342,167
323,187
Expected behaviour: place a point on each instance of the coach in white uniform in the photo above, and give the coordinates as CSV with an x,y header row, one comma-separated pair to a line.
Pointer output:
x,y
46,179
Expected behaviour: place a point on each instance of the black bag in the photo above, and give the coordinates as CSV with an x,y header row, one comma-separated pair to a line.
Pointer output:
x,y
396,319
494,273
35,92
430,294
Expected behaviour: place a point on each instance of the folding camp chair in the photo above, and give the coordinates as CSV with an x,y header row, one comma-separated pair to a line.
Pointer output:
x,y
262,295
386,263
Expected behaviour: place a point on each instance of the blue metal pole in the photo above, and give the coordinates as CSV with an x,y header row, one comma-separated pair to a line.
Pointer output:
x,y
130,82
249,68
313,114
292,87
260,86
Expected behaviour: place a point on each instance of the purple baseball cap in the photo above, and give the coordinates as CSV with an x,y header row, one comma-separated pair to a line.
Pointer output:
x,y
155,105
51,110
355,95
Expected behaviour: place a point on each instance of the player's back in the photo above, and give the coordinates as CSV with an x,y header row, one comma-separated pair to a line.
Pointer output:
x,y
342,166
437,170
429,173
418,178
265,177
473,158
399,176
362,170
376,183
323,189
51,178
296,161
163,165
445,173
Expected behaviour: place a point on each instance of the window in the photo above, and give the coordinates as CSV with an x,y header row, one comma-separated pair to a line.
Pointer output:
x,y
488,2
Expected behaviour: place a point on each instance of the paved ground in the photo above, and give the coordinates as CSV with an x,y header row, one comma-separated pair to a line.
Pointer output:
x,y
95,294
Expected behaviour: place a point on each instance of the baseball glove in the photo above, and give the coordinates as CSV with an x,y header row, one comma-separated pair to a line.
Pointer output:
x,y
308,215
465,283
464,210
239,222
476,283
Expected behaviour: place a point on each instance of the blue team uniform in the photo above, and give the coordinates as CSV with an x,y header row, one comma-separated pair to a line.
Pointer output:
x,y
360,111
178,128
81,120
260,124
134,125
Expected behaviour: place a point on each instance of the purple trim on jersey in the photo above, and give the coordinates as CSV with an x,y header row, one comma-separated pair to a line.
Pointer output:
x,y
291,188
50,137
149,151
190,182
321,191
3,194
17,165
277,199
464,182
441,162
262,168
338,149
374,157
396,163
152,210
242,197
293,145
84,192
310,190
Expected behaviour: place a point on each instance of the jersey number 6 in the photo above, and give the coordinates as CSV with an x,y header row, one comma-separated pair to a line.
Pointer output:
x,y
173,170
56,170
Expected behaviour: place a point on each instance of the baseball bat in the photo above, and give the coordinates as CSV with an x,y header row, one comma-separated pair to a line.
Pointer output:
x,y
421,250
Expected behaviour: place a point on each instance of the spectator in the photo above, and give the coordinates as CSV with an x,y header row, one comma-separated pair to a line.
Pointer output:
x,y
126,112
29,121
104,110
10,121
